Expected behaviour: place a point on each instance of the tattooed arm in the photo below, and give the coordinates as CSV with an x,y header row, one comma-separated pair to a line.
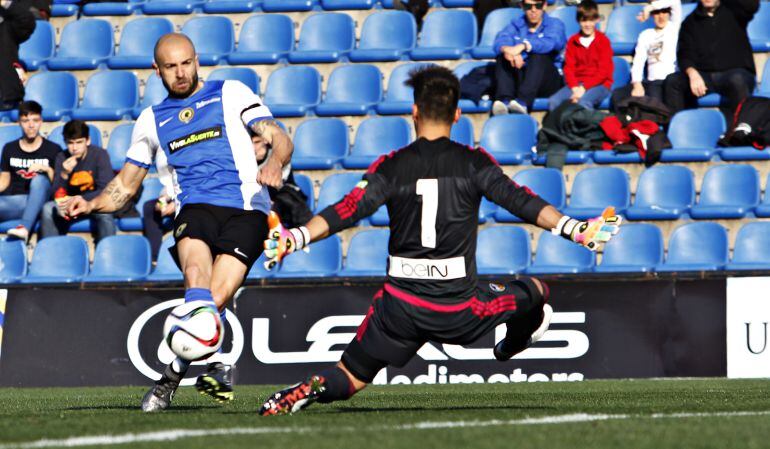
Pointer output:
x,y
114,196
275,137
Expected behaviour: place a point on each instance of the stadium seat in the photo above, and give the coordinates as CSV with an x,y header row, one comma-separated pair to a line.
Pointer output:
x,y
377,136
39,48
8,224
288,5
487,210
137,43
334,5
763,209
213,37
493,24
663,193
264,39
568,16
111,8
154,93
258,270
84,45
243,74
696,247
763,90
121,258
367,254
352,90
109,95
320,144
621,76
462,132
389,3
623,29
324,37
230,6
446,34
117,146
9,133
56,136
13,261
752,248
694,134
334,187
64,10
165,269
457,3
399,97
60,259
510,138
548,183
759,29
323,260
710,100
596,188
559,255
151,190
305,184
386,36
637,248
465,104
57,92
728,191
165,7
503,250
292,91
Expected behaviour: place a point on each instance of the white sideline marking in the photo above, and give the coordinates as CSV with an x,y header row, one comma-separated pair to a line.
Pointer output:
x,y
176,434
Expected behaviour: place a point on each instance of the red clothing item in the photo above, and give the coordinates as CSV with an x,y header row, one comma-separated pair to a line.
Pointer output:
x,y
590,66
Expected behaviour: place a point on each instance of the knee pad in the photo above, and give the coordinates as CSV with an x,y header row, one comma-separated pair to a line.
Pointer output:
x,y
360,364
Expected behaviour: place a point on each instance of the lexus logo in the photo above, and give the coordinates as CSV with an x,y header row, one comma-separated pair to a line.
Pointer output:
x,y
164,354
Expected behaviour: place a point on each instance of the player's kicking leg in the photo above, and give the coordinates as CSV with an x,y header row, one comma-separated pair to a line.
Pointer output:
x,y
525,330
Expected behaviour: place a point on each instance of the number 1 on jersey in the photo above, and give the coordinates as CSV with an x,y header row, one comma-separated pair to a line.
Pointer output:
x,y
428,190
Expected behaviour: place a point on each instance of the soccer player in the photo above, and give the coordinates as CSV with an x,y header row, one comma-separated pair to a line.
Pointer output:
x,y
432,189
198,135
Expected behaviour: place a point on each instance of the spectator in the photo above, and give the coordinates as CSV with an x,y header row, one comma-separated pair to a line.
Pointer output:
x,y
527,49
83,170
16,26
587,62
418,8
714,55
154,222
26,172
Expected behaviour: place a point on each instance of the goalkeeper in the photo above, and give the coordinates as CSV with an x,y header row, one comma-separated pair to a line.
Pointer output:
x,y
432,189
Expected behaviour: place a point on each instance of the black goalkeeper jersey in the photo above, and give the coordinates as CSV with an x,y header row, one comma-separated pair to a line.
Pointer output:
x,y
432,190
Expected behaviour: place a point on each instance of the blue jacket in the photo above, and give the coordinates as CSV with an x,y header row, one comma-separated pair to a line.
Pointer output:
x,y
548,38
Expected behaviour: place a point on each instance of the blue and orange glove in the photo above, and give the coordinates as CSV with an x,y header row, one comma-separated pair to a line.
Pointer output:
x,y
281,241
591,233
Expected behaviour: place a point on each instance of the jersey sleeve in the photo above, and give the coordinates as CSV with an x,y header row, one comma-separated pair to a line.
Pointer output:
x,y
497,187
249,106
144,140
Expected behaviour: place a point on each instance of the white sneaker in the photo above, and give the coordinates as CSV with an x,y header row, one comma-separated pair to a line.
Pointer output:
x,y
516,107
499,108
19,232
540,331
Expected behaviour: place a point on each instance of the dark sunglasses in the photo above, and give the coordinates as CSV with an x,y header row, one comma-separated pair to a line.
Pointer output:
x,y
527,6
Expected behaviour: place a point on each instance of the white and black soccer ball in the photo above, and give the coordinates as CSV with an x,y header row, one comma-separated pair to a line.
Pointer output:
x,y
194,330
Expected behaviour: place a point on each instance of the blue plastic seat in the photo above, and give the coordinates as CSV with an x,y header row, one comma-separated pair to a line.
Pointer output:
x,y
752,248
465,104
663,193
320,144
151,190
213,37
292,91
117,146
13,254
57,93
446,34
399,97
288,5
621,76
596,188
759,29
56,136
510,138
111,8
243,74
487,210
121,258
694,134
230,6
367,254
137,43
305,184
84,45
39,48
763,89
165,7
493,24
323,260
503,250
109,95
555,254
623,29
9,133
462,132
728,191
548,183
334,187
264,39
258,270
377,136
60,259
335,5
165,269
352,90
457,3
154,93
324,37
696,247
389,3
637,248
568,16
763,209
386,36
64,10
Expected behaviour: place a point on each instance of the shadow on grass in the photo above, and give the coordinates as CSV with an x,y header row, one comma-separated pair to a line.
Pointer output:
x,y
181,408
436,409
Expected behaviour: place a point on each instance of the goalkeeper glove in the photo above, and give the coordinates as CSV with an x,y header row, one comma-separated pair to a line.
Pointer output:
x,y
590,233
281,241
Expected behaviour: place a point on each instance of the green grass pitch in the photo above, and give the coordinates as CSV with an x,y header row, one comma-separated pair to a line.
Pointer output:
x,y
704,413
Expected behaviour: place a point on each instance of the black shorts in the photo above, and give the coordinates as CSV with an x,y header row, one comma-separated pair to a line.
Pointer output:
x,y
399,323
226,230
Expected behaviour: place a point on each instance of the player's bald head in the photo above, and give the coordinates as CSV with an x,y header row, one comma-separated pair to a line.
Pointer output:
x,y
171,45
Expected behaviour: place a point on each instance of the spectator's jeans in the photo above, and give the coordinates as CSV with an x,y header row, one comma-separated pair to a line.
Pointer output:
x,y
590,99
538,78
652,89
733,85
26,207
51,223
153,227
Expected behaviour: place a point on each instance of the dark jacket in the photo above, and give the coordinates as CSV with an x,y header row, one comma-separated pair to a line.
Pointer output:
x,y
16,26
89,177
751,124
718,43
569,127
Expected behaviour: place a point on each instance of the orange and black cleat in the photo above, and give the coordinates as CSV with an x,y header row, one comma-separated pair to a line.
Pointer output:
x,y
294,398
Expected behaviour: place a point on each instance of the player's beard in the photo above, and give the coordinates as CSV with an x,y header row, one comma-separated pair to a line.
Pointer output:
x,y
187,92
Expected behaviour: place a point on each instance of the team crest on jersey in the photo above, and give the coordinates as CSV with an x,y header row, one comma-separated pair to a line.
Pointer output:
x,y
186,114
180,229
497,288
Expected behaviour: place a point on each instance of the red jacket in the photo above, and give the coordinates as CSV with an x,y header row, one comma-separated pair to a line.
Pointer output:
x,y
590,66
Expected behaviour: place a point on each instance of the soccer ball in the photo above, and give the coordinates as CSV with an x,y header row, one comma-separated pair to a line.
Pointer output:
x,y
194,330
